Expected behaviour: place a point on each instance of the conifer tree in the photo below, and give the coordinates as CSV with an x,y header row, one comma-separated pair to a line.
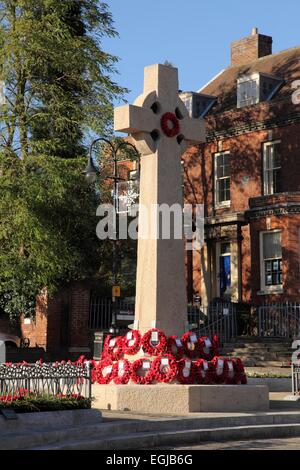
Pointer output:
x,y
56,75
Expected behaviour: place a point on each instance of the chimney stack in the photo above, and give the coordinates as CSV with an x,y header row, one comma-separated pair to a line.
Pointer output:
x,y
250,48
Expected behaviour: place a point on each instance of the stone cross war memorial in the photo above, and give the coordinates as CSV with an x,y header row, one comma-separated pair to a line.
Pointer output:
x,y
161,129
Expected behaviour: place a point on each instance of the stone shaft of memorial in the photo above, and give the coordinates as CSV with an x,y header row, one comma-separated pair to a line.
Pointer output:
x,y
160,129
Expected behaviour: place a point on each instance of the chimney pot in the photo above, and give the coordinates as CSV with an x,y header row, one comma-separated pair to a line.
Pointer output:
x,y
251,48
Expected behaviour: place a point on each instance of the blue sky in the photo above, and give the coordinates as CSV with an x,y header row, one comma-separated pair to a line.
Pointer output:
x,y
194,35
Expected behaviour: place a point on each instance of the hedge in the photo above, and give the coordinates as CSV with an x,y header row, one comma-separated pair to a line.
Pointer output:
x,y
31,404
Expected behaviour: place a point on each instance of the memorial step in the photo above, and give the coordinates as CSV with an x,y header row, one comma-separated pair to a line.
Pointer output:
x,y
255,346
259,340
121,429
152,440
263,352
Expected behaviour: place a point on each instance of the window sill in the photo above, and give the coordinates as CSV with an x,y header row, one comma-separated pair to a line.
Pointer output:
x,y
270,291
224,205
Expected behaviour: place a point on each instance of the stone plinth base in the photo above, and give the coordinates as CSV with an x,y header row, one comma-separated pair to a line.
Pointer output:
x,y
181,399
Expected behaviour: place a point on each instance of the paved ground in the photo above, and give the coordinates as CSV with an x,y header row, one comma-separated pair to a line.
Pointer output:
x,y
278,371
272,444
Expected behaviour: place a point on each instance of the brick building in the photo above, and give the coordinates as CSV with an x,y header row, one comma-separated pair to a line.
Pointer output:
x,y
247,175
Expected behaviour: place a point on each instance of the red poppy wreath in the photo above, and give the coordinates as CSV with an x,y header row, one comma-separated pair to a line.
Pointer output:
x,y
205,347
175,347
239,376
145,365
190,344
104,371
221,370
122,372
205,372
164,368
170,125
154,342
215,345
113,347
132,342
186,372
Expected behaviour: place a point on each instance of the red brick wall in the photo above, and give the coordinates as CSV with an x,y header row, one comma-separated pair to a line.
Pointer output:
x,y
246,162
36,330
246,264
61,322
251,48
289,225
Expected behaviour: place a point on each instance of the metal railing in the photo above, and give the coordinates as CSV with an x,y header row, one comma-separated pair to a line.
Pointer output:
x,y
280,320
51,379
101,309
221,321
101,313
295,379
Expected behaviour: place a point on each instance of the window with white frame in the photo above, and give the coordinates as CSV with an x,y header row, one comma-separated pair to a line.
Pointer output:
x,y
271,260
256,87
222,178
272,168
248,93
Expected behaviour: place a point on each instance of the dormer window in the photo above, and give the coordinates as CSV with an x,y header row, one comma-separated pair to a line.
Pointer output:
x,y
197,104
255,88
248,93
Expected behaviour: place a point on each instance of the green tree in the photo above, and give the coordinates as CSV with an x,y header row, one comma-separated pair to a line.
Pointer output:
x,y
47,228
57,77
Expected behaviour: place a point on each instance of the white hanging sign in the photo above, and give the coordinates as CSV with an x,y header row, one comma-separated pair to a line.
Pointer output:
x,y
2,352
178,343
154,336
208,343
193,338
112,343
146,365
165,361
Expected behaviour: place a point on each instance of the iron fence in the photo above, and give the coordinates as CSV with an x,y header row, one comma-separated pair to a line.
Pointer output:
x,y
204,315
51,379
221,320
295,379
101,309
281,320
